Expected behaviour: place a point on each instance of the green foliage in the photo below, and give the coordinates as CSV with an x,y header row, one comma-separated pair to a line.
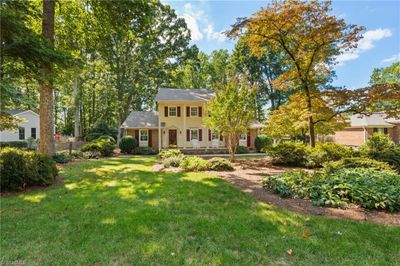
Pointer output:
x,y
289,153
173,161
100,129
144,151
61,158
242,150
194,164
380,147
357,162
102,146
127,144
368,188
326,152
14,144
170,153
31,143
231,111
294,183
262,142
219,164
25,168
108,138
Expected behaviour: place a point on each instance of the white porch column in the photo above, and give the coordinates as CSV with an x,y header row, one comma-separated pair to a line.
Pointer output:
x,y
159,131
184,125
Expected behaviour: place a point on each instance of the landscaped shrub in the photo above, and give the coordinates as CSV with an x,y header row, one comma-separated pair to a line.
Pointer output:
x,y
368,188
13,144
61,158
31,143
194,163
144,151
173,161
127,144
262,142
219,164
91,155
25,168
169,153
357,162
380,147
109,138
326,152
289,153
242,150
102,146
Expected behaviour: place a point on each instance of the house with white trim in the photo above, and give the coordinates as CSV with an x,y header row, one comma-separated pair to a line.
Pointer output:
x,y
179,122
28,127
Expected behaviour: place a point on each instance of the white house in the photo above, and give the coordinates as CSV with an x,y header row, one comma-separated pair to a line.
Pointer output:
x,y
29,127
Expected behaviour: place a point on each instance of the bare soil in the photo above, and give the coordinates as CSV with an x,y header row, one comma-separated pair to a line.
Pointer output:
x,y
249,173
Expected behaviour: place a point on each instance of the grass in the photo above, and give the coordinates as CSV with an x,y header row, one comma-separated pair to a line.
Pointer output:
x,y
117,211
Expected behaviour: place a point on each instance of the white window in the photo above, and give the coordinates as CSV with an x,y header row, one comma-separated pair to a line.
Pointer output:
x,y
144,135
194,134
21,133
194,111
172,111
243,137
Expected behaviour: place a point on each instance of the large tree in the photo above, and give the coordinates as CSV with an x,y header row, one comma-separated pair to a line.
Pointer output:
x,y
231,111
47,144
310,37
139,41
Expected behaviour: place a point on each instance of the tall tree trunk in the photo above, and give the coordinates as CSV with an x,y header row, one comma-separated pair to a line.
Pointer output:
x,y
77,122
46,91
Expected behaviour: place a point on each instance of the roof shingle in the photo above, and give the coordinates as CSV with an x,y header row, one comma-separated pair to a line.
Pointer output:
x,y
141,119
186,95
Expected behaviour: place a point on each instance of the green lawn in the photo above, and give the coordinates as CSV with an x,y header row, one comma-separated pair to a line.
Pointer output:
x,y
117,211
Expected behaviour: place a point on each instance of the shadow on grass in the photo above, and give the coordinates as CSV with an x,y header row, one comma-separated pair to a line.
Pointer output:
x,y
118,211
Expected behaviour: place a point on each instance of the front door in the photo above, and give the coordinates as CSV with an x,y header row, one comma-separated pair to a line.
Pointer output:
x,y
172,137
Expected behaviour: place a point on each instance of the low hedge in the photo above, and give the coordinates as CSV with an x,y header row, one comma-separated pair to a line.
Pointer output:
x,y
170,153
194,164
325,152
14,144
242,150
368,188
173,161
289,153
103,146
144,151
20,169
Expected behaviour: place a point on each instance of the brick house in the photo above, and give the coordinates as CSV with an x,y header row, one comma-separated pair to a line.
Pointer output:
x,y
362,126
179,122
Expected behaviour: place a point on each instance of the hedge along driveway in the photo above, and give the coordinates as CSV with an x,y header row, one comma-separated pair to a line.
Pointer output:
x,y
117,211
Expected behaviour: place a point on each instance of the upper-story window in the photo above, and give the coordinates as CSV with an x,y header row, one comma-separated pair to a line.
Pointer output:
x,y
172,111
194,111
21,133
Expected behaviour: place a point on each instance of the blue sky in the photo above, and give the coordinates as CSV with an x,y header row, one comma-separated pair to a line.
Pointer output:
x,y
380,46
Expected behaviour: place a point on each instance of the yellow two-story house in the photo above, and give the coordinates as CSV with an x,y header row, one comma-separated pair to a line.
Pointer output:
x,y
179,122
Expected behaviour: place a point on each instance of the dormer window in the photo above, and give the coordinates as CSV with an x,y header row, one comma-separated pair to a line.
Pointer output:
x,y
194,111
172,111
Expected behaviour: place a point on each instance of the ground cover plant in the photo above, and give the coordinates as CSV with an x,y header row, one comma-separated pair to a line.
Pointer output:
x,y
118,211
371,189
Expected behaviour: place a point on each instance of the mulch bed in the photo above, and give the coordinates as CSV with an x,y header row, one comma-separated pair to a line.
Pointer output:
x,y
249,173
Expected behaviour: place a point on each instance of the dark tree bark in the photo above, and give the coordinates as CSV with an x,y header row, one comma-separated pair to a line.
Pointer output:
x,y
46,90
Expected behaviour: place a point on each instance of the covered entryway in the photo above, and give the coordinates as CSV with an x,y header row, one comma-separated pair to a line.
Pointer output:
x,y
172,137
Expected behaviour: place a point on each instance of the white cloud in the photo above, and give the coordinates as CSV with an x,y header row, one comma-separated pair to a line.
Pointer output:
x,y
393,58
213,35
365,44
199,24
193,27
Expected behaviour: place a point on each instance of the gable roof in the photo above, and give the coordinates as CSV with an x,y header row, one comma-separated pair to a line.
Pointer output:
x,y
373,120
184,95
19,111
141,119
14,112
